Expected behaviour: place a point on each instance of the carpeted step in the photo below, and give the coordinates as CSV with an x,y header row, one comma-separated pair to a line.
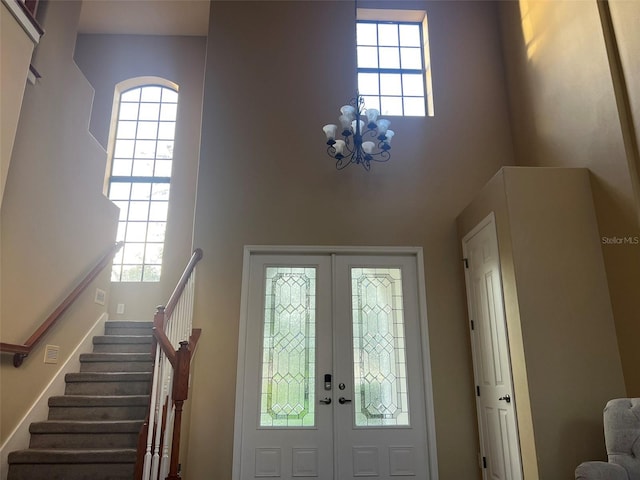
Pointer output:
x,y
72,464
108,383
122,343
116,362
85,434
90,407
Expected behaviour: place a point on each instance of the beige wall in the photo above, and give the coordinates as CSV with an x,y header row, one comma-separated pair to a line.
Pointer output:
x,y
55,222
562,339
107,60
564,113
278,71
16,48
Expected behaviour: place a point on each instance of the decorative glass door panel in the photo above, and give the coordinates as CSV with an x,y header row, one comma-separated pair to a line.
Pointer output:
x,y
380,360
288,350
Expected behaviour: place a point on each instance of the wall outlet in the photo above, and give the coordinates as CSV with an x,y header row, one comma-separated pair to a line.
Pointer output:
x,y
120,309
51,354
101,296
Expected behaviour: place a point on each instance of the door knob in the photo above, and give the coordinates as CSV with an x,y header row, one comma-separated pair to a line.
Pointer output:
x,y
325,400
506,398
343,400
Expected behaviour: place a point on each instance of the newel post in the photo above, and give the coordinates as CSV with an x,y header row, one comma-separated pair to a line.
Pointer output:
x,y
180,393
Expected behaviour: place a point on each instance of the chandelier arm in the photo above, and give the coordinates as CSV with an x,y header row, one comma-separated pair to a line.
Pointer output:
x,y
382,156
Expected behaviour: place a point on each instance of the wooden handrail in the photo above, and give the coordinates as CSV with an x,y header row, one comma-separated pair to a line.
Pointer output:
x,y
22,351
175,296
164,312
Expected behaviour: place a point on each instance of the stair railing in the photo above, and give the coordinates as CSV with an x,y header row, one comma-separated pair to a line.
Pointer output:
x,y
20,352
174,343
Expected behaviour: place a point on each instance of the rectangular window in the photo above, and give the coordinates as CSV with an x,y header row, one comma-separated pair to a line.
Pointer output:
x,y
393,63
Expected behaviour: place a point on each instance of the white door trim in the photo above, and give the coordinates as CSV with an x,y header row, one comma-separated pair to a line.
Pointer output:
x,y
328,250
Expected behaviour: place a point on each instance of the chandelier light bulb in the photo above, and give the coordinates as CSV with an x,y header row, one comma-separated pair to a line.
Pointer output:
x,y
354,125
339,147
382,125
372,116
388,136
368,147
348,111
345,122
330,131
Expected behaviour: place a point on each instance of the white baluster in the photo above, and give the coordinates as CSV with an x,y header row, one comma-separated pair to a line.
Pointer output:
x,y
146,469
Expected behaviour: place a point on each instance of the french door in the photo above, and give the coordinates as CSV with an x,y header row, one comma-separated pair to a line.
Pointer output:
x,y
331,382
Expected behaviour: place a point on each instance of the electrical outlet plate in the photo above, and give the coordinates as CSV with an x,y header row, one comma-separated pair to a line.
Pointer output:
x,y
120,309
101,296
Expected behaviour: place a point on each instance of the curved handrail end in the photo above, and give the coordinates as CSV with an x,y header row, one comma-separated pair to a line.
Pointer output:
x,y
18,358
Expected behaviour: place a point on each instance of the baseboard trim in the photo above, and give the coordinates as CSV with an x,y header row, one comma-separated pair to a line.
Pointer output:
x,y
39,410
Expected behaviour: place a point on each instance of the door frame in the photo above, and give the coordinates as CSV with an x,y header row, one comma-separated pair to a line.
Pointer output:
x,y
416,252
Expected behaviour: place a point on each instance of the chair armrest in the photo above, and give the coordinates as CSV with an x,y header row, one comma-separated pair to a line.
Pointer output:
x,y
600,471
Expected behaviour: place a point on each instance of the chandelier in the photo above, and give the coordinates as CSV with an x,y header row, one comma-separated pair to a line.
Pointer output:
x,y
363,141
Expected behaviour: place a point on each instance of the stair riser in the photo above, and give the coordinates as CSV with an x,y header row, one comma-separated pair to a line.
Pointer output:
x,y
84,440
106,471
115,367
107,388
122,348
98,413
113,330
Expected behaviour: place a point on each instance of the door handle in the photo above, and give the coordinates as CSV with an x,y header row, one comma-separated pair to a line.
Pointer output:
x,y
325,400
506,398
343,400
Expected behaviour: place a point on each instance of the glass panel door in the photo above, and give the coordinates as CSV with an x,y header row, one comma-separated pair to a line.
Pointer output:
x,y
330,373
380,415
286,431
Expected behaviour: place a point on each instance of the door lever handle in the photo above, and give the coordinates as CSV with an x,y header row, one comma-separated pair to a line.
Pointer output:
x,y
343,400
506,398
325,400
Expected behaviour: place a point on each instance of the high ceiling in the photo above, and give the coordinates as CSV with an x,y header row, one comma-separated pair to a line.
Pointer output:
x,y
145,17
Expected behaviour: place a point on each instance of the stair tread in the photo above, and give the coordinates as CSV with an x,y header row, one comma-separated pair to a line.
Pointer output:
x,y
86,426
98,400
115,357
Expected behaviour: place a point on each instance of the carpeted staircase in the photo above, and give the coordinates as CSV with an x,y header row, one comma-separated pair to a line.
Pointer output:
x,y
92,430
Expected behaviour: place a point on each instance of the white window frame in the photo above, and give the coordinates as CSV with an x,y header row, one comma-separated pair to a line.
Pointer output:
x,y
407,16
120,260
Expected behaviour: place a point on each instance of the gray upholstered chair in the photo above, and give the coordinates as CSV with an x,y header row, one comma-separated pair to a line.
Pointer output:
x,y
622,439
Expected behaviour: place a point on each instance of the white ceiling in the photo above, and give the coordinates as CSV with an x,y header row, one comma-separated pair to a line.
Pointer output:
x,y
145,17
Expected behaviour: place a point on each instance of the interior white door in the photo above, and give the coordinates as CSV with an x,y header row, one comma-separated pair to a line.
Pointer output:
x,y
499,442
332,379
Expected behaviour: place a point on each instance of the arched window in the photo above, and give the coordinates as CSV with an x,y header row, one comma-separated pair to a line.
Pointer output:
x,y
141,159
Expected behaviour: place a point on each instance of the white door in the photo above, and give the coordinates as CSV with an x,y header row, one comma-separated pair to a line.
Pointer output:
x,y
331,382
495,400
